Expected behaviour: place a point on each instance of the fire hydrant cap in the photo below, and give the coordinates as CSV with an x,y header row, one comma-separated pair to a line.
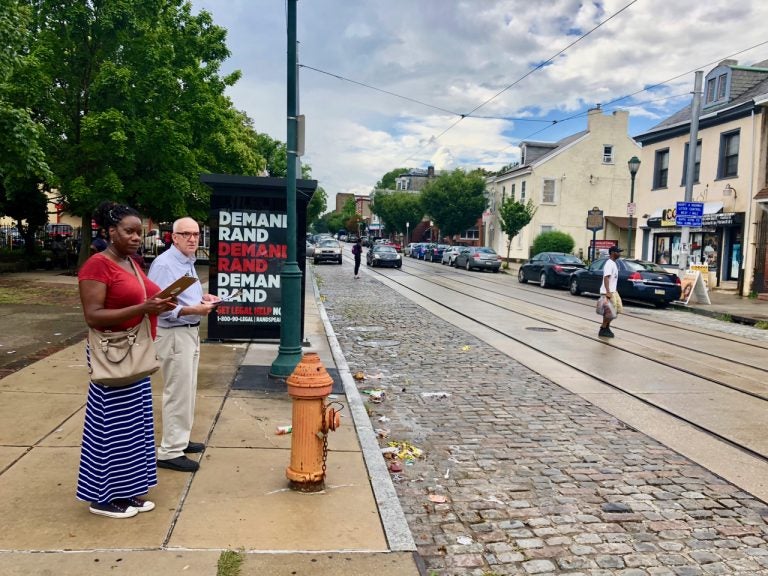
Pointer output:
x,y
310,378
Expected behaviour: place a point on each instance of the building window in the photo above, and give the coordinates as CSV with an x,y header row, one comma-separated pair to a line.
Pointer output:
x,y
607,154
512,192
717,88
696,166
522,192
661,168
721,86
470,234
545,229
548,192
503,194
728,165
711,87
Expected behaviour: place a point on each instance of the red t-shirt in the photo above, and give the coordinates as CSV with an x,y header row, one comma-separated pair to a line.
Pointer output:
x,y
123,288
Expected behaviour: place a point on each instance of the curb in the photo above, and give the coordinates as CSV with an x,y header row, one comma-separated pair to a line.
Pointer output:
x,y
717,314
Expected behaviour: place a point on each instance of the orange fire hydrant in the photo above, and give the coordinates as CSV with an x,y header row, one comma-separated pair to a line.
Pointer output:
x,y
312,420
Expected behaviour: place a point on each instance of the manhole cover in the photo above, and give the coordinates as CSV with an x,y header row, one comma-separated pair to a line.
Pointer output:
x,y
540,329
380,343
365,328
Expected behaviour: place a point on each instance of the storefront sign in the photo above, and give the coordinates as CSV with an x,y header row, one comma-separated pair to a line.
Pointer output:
x,y
595,219
689,213
707,220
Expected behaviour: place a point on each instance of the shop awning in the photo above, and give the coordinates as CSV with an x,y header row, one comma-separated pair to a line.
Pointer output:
x,y
709,208
762,195
621,222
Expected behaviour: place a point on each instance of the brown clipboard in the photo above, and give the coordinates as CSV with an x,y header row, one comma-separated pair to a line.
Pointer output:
x,y
176,288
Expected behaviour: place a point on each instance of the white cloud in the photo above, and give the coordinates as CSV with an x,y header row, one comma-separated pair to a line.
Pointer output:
x,y
455,55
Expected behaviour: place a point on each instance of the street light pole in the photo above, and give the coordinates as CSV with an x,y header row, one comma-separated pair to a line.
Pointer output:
x,y
634,166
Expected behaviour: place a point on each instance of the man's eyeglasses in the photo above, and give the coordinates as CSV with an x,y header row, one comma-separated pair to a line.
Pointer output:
x,y
188,235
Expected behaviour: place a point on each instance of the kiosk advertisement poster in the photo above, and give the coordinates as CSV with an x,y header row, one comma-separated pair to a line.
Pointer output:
x,y
249,257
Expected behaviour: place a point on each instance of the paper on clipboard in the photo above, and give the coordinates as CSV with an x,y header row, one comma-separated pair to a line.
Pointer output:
x,y
177,287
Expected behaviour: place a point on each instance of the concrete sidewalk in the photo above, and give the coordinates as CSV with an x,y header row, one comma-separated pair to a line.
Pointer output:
x,y
238,500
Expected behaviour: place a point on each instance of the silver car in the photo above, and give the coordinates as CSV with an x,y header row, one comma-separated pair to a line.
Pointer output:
x,y
327,250
482,258
449,255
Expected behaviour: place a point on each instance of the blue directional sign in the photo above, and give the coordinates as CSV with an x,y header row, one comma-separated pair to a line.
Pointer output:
x,y
689,214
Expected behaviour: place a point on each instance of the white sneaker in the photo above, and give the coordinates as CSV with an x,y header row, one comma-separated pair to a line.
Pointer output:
x,y
113,509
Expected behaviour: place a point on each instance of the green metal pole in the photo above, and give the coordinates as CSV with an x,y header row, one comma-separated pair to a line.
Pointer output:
x,y
289,352
631,201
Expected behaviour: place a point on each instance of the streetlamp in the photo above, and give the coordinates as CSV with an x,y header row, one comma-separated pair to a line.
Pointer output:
x,y
407,233
634,166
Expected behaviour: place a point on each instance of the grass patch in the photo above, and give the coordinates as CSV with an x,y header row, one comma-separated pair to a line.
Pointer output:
x,y
14,291
725,318
229,563
762,324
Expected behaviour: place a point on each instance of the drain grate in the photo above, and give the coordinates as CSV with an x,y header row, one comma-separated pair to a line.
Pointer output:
x,y
540,329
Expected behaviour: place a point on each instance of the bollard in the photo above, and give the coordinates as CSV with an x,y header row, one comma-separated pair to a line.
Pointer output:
x,y
312,419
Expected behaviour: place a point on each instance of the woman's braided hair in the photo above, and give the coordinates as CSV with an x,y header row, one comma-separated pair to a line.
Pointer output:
x,y
111,213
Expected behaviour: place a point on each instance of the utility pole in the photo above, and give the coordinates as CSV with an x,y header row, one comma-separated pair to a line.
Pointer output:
x,y
289,352
685,236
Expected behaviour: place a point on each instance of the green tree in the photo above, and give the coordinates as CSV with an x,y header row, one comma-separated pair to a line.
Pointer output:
x,y
454,201
133,103
317,205
397,209
513,217
22,159
554,241
387,181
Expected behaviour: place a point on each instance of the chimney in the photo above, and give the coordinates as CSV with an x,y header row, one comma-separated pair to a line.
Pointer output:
x,y
430,171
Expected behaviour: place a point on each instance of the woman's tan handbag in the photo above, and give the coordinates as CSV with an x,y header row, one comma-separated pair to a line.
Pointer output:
x,y
121,358
124,357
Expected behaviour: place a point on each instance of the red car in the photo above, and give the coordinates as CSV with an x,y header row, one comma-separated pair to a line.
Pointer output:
x,y
394,245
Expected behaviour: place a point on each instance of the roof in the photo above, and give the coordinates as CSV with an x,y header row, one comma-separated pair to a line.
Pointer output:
x,y
555,147
747,82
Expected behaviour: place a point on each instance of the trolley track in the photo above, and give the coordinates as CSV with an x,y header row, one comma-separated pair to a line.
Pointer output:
x,y
738,393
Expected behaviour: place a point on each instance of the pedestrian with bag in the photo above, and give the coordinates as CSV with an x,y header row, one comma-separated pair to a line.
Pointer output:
x,y
117,459
178,345
357,252
611,301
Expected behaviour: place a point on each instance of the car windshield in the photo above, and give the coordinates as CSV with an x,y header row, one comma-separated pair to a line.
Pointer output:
x,y
566,259
329,243
486,251
640,265
384,249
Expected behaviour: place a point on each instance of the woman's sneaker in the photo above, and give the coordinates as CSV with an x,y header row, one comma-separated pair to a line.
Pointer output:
x,y
114,509
135,502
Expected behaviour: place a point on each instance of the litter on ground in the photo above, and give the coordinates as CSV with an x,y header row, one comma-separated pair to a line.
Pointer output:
x,y
406,451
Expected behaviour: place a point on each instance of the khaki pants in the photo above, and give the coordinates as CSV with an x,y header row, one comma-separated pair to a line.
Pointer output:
x,y
179,352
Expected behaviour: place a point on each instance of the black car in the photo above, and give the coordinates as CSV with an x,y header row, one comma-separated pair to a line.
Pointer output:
x,y
383,255
638,280
550,269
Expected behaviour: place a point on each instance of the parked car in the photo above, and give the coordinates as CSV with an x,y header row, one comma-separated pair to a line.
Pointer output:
x,y
421,250
383,255
638,280
394,245
10,237
310,249
482,258
327,250
415,249
449,255
351,237
409,248
550,269
435,252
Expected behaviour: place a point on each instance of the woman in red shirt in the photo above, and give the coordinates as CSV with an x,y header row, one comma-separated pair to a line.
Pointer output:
x,y
117,459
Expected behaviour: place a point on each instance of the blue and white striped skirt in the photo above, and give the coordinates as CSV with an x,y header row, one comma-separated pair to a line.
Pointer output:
x,y
117,459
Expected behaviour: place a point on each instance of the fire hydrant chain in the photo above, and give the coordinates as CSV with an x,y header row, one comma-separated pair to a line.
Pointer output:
x,y
325,440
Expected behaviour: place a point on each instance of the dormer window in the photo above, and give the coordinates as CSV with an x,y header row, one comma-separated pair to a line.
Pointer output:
x,y
718,86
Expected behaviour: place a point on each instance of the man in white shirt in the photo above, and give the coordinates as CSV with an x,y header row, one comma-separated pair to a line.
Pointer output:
x,y
178,346
608,289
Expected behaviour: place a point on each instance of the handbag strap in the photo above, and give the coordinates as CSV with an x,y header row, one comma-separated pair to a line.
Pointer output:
x,y
138,275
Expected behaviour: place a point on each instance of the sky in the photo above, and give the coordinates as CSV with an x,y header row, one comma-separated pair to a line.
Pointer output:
x,y
511,67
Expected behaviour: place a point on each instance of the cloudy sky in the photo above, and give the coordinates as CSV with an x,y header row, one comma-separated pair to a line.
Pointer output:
x,y
445,58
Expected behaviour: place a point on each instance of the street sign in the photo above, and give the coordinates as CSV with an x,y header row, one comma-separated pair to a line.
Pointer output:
x,y
631,208
689,213
595,219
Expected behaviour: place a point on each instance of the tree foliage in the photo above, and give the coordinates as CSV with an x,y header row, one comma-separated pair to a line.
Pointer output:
x,y
317,205
397,209
387,181
347,219
513,217
454,201
554,241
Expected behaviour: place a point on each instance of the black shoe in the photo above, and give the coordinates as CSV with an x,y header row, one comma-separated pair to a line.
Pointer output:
x,y
194,448
180,464
605,333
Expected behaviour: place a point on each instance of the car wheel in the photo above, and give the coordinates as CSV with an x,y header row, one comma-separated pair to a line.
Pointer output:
x,y
339,260
316,261
399,266
495,270
543,280
367,263
468,266
573,287
521,276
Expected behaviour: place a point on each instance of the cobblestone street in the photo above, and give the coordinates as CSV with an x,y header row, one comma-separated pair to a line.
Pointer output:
x,y
535,480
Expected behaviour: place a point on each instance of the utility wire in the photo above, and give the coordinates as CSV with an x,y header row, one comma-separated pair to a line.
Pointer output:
x,y
524,76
